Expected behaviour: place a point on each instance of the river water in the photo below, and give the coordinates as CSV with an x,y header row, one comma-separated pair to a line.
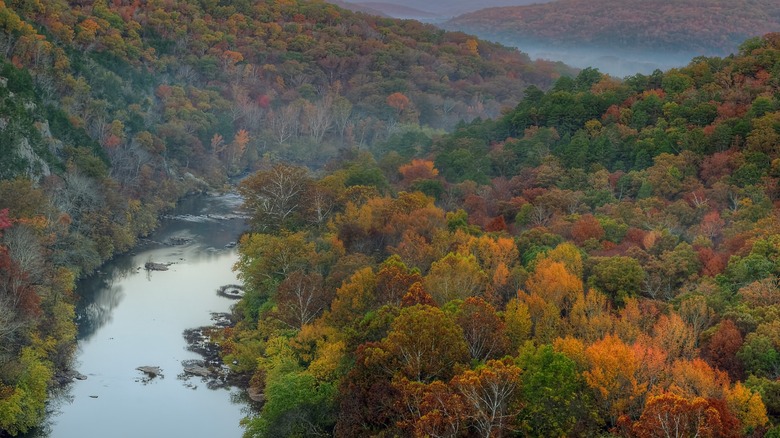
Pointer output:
x,y
129,317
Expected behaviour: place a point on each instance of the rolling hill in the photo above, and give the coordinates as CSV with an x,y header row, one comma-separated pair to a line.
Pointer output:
x,y
435,11
110,111
701,27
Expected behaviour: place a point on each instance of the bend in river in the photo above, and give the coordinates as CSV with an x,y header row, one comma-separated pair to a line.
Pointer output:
x,y
130,317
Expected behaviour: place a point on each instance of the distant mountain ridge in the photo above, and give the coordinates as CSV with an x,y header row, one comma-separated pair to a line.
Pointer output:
x,y
712,27
433,10
390,9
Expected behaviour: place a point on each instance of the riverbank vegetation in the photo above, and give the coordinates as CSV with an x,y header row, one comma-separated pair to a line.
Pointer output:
x,y
600,260
110,111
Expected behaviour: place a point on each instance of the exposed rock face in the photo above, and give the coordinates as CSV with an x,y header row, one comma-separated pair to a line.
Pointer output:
x,y
256,394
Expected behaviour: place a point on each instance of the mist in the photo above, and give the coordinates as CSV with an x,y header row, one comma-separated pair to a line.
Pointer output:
x,y
616,63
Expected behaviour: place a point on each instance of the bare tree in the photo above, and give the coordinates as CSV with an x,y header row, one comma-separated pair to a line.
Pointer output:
x,y
342,113
25,249
318,118
301,298
275,195
284,122
78,195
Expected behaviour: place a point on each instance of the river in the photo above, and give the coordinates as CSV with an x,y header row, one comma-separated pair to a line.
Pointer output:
x,y
129,317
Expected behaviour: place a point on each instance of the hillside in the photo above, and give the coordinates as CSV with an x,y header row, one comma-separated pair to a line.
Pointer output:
x,y
697,27
112,111
600,261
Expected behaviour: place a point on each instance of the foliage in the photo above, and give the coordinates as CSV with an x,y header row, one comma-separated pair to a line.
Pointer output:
x,y
600,259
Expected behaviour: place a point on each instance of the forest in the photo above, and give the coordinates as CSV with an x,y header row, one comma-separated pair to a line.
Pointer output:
x,y
703,27
447,238
111,111
601,260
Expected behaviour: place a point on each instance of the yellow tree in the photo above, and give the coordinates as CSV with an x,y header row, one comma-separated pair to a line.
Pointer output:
x,y
354,298
455,276
611,374
696,378
546,323
555,284
518,323
590,318
747,406
568,254
675,337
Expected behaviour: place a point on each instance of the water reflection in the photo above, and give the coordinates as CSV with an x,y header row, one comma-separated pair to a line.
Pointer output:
x,y
98,313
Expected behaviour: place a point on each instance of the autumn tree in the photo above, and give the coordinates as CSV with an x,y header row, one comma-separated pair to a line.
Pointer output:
x,y
22,406
555,284
275,196
517,321
425,343
300,298
398,101
367,398
417,170
484,331
670,415
695,378
394,279
455,276
695,311
674,336
417,295
433,409
587,228
237,148
490,395
354,298
721,348
590,318
747,406
611,375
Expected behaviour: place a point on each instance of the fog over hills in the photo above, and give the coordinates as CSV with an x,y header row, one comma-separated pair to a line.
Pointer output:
x,y
624,36
435,11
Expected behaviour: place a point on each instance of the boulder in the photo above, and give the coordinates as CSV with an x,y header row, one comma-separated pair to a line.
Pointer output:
x,y
256,394
150,371
151,266
197,370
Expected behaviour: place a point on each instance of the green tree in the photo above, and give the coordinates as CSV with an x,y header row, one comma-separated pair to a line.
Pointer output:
x,y
295,405
553,394
619,277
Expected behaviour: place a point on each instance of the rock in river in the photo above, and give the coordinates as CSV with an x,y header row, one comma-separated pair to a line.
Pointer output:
x,y
197,370
152,266
150,371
